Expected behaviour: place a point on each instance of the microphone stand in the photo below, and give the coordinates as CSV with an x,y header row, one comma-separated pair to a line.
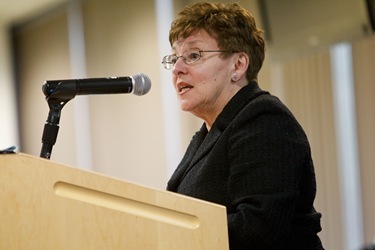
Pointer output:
x,y
57,95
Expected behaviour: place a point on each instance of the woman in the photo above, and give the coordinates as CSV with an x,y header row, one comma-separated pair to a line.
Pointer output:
x,y
250,155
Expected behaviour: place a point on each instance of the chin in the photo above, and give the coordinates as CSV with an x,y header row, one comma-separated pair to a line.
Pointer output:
x,y
185,107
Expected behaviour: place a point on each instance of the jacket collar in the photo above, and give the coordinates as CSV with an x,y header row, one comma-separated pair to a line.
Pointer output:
x,y
236,104
203,141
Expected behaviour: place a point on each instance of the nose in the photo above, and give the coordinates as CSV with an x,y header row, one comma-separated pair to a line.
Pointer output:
x,y
179,67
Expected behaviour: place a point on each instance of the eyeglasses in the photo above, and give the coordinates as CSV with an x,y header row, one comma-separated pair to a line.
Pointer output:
x,y
189,56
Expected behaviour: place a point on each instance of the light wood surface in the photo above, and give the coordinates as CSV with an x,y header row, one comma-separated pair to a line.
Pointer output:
x,y
46,205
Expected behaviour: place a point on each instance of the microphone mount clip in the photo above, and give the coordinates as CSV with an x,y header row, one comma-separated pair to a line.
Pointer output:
x,y
57,95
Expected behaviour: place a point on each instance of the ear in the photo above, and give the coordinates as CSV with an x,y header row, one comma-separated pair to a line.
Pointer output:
x,y
241,64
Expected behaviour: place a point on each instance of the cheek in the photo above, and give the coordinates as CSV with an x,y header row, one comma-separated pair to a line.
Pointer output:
x,y
219,72
174,80
216,77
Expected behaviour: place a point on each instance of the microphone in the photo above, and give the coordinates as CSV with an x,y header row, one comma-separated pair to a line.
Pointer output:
x,y
138,84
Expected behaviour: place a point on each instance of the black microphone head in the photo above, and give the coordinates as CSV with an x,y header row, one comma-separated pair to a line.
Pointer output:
x,y
141,84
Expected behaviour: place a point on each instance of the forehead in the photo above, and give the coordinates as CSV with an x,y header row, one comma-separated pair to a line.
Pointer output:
x,y
200,39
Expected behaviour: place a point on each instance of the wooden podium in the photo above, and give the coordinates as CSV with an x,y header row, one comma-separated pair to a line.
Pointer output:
x,y
46,205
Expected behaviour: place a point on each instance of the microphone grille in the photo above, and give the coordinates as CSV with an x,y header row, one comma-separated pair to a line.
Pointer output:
x,y
141,84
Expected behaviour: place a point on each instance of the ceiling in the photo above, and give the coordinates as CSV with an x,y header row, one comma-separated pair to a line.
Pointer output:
x,y
14,10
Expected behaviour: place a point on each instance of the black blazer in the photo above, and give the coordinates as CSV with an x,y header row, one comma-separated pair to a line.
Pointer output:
x,y
256,161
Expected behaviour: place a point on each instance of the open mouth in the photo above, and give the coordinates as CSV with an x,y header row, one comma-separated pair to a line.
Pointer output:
x,y
183,88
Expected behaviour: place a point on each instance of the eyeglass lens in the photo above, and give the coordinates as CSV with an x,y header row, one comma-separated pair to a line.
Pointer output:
x,y
189,56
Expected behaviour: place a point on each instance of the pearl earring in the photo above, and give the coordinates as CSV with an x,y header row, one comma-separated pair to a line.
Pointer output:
x,y
234,76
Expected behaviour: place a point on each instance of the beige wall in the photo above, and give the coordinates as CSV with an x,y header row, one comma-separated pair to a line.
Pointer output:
x,y
43,54
307,92
127,132
364,75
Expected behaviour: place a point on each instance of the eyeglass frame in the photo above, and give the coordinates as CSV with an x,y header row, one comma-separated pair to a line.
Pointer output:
x,y
170,65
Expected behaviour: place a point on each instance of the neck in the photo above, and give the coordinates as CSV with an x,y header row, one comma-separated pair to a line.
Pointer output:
x,y
210,115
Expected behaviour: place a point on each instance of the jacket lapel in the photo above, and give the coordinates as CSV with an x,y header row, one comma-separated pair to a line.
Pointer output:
x,y
199,147
181,170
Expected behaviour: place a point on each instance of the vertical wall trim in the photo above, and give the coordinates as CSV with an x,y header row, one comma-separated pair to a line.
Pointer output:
x,y
172,128
78,68
277,80
345,122
9,130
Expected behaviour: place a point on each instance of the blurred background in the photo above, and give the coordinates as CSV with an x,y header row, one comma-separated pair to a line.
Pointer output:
x,y
320,62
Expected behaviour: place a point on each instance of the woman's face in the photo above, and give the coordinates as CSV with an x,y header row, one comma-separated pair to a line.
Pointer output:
x,y
203,87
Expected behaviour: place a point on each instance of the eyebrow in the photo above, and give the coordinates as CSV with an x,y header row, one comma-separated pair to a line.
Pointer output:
x,y
191,43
